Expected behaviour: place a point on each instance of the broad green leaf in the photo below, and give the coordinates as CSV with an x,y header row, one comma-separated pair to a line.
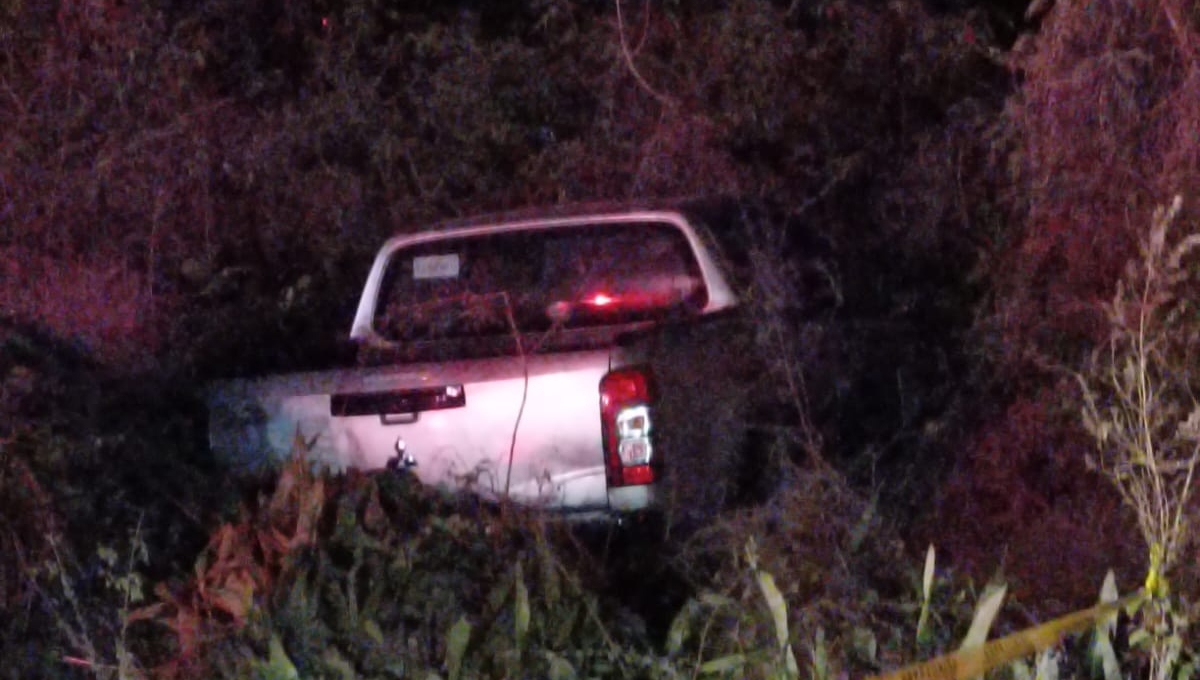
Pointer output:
x,y
819,663
1109,593
776,604
107,555
1108,589
864,644
371,629
499,595
711,599
927,579
560,668
550,587
863,526
723,665
923,631
1103,657
680,628
521,606
1101,653
791,669
1170,650
279,666
926,595
456,646
566,619
334,660
778,608
1047,665
985,614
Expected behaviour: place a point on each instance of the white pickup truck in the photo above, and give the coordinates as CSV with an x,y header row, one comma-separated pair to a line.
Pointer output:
x,y
580,361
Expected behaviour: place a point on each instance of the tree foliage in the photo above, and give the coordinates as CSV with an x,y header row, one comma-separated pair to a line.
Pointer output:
x,y
184,140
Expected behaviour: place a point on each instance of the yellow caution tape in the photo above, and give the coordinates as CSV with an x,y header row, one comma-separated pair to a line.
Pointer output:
x,y
969,663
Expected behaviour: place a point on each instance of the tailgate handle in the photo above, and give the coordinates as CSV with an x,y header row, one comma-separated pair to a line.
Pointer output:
x,y
398,402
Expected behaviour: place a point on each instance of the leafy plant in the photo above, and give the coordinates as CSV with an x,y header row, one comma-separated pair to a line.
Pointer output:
x,y
375,572
94,623
1139,405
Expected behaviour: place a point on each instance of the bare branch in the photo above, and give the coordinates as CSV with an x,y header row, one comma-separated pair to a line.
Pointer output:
x,y
633,69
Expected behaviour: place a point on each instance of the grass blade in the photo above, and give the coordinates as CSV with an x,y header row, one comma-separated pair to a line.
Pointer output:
x,y
926,595
985,614
456,647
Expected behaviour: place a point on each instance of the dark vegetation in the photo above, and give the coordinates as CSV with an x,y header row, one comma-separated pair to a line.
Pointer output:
x,y
935,196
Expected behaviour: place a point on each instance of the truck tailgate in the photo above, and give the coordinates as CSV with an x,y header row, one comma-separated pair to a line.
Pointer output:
x,y
455,423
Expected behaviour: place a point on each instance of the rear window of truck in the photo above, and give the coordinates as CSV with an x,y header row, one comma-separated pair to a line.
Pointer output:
x,y
538,280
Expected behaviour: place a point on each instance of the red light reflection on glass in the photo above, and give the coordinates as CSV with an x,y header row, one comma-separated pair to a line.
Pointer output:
x,y
600,300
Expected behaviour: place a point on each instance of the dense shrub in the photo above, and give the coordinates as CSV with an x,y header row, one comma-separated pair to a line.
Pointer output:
x,y
1103,130
103,489
1099,133
378,576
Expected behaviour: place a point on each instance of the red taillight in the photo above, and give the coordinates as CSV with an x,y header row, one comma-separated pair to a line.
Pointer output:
x,y
625,399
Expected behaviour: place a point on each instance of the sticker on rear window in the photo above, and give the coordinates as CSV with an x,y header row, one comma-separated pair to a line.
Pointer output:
x,y
435,267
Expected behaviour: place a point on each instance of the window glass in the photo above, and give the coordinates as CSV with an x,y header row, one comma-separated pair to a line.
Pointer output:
x,y
532,281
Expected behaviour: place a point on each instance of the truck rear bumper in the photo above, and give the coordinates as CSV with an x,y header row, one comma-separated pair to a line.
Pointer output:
x,y
625,504
631,498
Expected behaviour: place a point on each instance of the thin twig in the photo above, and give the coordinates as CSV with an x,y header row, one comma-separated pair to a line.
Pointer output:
x,y
633,69
1181,34
512,445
